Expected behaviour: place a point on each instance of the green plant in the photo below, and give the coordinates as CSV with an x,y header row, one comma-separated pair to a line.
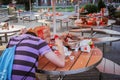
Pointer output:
x,y
101,4
27,4
117,14
5,2
91,8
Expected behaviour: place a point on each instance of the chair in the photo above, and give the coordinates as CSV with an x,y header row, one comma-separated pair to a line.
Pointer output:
x,y
5,37
66,20
26,18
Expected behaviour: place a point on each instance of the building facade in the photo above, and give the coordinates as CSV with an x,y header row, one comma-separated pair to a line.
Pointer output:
x,y
68,2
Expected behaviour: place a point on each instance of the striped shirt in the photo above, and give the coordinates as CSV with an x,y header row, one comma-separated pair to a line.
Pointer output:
x,y
26,54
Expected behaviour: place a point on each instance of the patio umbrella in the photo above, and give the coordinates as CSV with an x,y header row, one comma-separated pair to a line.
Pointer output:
x,y
79,1
54,16
30,6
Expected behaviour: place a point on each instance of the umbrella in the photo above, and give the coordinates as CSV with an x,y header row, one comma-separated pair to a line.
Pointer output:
x,y
79,2
30,6
54,16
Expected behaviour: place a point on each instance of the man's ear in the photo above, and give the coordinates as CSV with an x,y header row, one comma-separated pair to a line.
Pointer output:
x,y
30,30
23,31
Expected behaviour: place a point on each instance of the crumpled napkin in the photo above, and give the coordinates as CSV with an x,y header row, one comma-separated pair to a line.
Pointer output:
x,y
84,45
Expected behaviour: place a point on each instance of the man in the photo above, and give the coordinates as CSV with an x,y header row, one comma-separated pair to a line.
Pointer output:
x,y
28,51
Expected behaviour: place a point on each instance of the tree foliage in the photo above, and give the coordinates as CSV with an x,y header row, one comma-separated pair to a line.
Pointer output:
x,y
5,2
101,4
91,8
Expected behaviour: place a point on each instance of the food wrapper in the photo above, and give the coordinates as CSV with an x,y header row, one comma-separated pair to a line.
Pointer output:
x,y
67,52
85,45
4,25
86,48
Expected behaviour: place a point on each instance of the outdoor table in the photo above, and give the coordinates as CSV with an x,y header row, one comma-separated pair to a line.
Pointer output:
x,y
27,17
110,23
49,15
92,27
82,62
12,29
59,16
45,21
58,19
102,40
63,18
104,31
30,17
73,17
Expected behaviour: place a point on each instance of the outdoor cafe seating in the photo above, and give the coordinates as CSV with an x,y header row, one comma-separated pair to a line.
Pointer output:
x,y
90,40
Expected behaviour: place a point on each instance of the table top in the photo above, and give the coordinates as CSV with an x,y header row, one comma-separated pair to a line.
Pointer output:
x,y
11,29
83,61
110,22
45,21
105,31
105,39
73,17
91,26
101,39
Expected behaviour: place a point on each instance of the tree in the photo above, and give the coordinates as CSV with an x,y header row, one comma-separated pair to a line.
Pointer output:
x,y
20,1
27,4
101,4
91,8
5,2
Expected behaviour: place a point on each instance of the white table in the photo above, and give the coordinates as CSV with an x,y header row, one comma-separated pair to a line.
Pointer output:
x,y
44,21
11,30
32,16
82,62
